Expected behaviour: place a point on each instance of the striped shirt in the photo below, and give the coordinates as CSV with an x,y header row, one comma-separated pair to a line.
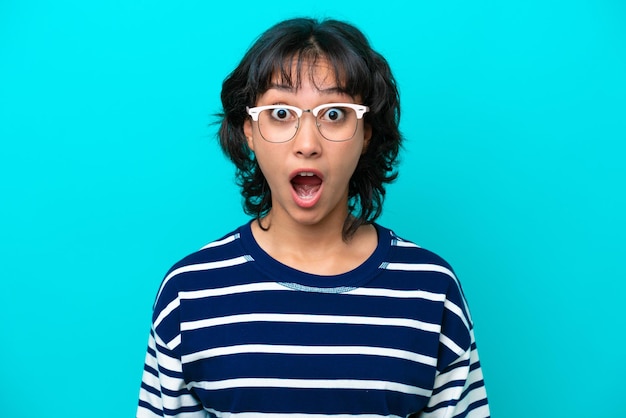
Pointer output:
x,y
237,334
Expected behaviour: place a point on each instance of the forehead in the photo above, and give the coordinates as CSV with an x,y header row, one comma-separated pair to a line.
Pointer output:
x,y
318,72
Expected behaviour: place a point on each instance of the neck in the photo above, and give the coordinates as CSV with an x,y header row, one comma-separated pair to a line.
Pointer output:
x,y
322,234
318,249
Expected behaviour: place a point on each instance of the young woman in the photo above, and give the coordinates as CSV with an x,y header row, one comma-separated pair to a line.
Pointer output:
x,y
312,309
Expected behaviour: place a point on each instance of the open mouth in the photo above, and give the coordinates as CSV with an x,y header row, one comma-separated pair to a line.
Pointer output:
x,y
306,184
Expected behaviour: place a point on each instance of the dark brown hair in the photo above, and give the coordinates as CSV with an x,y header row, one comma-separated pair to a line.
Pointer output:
x,y
360,71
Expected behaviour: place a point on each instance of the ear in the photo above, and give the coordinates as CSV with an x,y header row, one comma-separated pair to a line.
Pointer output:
x,y
247,131
367,135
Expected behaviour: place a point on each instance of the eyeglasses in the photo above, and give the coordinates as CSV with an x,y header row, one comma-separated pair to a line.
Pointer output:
x,y
337,122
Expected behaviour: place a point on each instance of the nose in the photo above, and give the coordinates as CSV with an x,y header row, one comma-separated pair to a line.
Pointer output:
x,y
308,141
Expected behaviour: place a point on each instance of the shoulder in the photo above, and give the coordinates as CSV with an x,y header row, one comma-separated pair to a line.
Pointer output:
x,y
409,252
190,272
433,274
224,248
428,269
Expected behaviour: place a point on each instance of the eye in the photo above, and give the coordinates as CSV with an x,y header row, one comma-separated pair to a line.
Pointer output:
x,y
333,114
281,114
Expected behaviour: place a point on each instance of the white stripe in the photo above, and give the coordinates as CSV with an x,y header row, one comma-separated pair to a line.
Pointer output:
x,y
145,412
151,380
219,243
452,307
204,266
400,243
311,384
232,290
451,345
474,376
481,411
392,293
151,359
315,319
175,342
310,350
433,268
273,286
463,403
174,384
462,358
452,392
179,401
165,401
458,374
166,311
170,363
194,414
420,267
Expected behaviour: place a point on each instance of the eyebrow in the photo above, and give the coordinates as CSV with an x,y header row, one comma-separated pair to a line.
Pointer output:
x,y
291,89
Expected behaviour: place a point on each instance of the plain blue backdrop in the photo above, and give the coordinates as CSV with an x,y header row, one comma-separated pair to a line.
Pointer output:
x,y
513,170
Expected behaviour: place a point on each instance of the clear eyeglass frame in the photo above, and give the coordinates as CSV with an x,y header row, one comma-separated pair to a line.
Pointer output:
x,y
359,110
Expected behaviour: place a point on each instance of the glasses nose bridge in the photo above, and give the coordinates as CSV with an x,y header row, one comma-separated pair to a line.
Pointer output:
x,y
316,123
309,111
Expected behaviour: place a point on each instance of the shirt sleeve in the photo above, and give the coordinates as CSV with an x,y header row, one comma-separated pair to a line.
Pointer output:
x,y
164,392
459,389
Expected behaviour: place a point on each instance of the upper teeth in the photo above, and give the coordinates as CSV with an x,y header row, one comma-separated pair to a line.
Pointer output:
x,y
306,173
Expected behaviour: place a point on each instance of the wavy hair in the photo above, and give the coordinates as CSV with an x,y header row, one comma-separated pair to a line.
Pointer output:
x,y
360,72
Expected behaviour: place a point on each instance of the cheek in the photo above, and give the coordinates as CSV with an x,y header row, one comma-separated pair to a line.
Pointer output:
x,y
269,160
349,159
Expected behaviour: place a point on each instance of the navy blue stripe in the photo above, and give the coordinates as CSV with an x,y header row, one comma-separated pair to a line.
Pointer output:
x,y
472,407
293,366
314,401
150,389
182,410
151,370
146,405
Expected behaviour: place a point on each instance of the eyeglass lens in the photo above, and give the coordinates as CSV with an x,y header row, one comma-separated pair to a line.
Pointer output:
x,y
335,123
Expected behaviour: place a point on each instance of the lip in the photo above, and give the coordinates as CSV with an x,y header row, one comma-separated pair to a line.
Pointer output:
x,y
306,170
306,203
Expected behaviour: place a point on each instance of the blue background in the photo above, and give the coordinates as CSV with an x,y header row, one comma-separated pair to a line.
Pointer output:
x,y
515,115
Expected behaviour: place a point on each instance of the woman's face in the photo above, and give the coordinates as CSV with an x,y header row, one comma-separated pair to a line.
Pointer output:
x,y
308,175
